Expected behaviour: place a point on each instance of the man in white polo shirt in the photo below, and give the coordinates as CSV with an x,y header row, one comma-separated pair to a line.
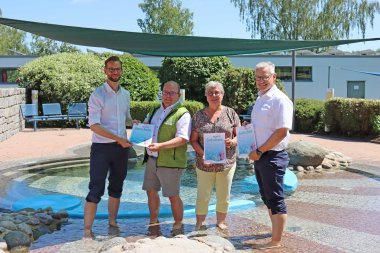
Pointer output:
x,y
271,117
109,112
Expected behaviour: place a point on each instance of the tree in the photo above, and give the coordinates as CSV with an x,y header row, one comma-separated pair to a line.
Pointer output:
x,y
166,17
43,46
12,41
306,19
192,73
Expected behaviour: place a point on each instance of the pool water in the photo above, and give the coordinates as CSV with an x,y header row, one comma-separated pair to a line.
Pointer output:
x,y
73,181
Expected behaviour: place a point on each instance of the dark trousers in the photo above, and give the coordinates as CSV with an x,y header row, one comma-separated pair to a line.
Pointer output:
x,y
107,158
270,171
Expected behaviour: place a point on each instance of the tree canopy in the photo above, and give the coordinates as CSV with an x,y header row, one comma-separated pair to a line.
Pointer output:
x,y
306,19
12,41
43,46
166,17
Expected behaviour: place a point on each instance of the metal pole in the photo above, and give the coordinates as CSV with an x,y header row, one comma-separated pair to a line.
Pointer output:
x,y
294,86
328,78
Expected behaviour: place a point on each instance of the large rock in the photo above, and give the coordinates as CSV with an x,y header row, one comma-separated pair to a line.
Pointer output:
x,y
306,153
19,240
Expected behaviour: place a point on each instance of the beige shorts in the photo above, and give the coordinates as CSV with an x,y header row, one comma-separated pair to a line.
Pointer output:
x,y
167,178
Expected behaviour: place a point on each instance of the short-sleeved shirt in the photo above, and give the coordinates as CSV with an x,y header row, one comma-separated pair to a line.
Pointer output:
x,y
227,121
111,110
183,125
273,110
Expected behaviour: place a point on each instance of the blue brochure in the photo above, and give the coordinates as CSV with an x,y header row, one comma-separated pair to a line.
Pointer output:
x,y
214,148
142,134
246,140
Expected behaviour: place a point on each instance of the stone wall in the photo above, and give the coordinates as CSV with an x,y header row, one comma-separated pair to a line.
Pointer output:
x,y
11,121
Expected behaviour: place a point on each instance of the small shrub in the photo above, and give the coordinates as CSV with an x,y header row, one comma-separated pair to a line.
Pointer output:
x,y
308,115
240,88
140,109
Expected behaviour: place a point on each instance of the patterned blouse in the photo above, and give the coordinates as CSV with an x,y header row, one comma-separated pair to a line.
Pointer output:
x,y
227,121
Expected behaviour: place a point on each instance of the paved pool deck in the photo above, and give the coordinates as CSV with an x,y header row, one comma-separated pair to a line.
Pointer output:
x,y
332,212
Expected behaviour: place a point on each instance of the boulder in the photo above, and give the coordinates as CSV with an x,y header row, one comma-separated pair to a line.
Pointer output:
x,y
306,153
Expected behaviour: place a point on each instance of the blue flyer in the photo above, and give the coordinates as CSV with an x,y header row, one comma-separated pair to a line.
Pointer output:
x,y
246,140
142,134
214,148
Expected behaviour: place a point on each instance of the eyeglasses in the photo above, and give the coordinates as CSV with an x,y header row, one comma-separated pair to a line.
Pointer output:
x,y
114,69
262,78
169,93
216,94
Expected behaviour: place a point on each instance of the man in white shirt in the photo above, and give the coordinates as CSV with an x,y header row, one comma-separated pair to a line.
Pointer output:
x,y
271,117
109,113
166,157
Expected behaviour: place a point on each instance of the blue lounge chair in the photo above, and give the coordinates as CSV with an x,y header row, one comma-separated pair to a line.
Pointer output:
x,y
29,113
77,112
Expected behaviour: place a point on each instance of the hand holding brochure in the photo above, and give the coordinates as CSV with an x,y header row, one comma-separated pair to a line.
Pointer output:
x,y
246,140
142,134
214,148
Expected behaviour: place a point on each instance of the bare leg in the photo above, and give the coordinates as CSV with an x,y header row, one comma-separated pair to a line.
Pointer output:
x,y
89,216
200,220
221,220
177,210
113,208
154,206
278,226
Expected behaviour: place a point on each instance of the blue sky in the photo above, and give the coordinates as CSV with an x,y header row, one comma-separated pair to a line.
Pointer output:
x,y
215,18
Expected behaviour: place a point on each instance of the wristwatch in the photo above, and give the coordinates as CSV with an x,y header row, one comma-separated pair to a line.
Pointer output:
x,y
259,152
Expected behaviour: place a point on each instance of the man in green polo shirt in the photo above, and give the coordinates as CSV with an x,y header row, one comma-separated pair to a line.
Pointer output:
x,y
166,156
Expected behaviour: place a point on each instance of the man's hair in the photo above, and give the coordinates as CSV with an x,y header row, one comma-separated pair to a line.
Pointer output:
x,y
172,83
112,58
213,84
266,64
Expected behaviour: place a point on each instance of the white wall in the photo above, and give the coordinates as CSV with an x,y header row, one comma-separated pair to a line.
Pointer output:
x,y
316,88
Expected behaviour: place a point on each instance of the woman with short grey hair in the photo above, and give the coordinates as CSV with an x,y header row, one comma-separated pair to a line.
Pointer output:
x,y
215,118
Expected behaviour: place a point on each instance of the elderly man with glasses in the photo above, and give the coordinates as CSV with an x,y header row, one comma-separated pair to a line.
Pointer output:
x,y
271,117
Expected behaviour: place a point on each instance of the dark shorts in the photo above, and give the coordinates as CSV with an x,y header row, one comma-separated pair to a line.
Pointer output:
x,y
111,159
270,171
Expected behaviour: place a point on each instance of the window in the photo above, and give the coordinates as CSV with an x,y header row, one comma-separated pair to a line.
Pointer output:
x,y
303,73
8,75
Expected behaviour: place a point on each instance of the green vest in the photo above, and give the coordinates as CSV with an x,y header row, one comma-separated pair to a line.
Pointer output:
x,y
171,157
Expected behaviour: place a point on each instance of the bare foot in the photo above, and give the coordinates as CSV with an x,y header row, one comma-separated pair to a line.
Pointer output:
x,y
88,235
269,245
222,225
177,225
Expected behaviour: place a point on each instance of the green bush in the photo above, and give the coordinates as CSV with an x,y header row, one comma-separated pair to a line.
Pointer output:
x,y
352,117
309,115
192,73
375,123
140,109
63,78
138,79
240,87
71,77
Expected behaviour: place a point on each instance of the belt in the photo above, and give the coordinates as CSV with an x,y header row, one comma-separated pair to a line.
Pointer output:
x,y
153,157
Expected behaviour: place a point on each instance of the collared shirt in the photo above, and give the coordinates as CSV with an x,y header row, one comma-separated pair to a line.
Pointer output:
x,y
183,125
111,110
272,110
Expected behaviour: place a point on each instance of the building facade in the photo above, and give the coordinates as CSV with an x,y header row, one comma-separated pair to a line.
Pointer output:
x,y
315,74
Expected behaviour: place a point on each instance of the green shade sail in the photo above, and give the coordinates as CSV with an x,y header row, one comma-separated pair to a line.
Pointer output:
x,y
166,45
